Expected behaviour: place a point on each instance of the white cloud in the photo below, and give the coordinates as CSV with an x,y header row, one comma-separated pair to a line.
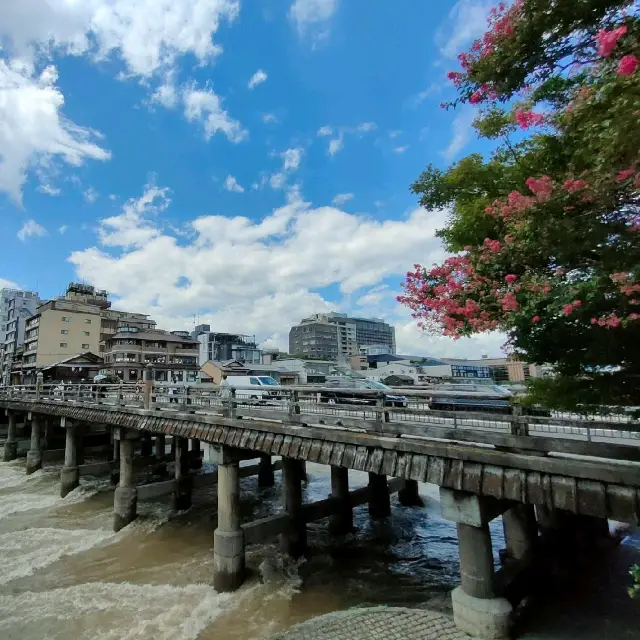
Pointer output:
x,y
366,127
48,189
31,229
337,134
62,229
257,78
466,21
90,195
401,149
335,145
231,184
166,94
462,129
33,130
8,284
269,118
313,17
342,198
146,35
256,275
291,159
203,105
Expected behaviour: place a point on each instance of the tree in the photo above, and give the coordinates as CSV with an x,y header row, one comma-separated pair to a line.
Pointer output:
x,y
545,231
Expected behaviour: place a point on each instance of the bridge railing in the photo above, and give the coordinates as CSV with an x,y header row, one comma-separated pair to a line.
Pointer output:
x,y
366,410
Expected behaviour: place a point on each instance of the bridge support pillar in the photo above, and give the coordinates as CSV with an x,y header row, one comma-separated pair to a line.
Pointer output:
x,y
341,522
11,443
379,500
80,429
294,540
477,609
409,495
69,474
228,538
182,494
520,531
125,498
160,466
115,461
196,454
146,446
34,455
265,472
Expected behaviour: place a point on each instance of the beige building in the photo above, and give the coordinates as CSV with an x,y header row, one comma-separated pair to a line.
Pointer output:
x,y
60,329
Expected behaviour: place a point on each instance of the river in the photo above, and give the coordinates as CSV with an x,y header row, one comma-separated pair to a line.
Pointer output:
x,y
65,574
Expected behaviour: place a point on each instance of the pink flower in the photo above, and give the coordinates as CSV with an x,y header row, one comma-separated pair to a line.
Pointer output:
x,y
567,309
535,319
594,320
511,278
572,185
607,40
542,187
577,303
633,316
628,65
625,173
476,97
526,119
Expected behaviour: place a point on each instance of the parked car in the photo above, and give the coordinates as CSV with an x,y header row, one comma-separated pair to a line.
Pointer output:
x,y
261,387
344,390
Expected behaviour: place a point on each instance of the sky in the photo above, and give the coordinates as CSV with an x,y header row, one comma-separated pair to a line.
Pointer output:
x,y
242,163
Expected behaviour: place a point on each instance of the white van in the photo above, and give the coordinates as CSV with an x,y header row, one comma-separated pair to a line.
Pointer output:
x,y
259,386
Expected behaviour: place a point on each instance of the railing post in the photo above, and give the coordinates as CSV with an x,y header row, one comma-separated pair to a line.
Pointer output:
x,y
78,393
231,404
148,386
382,416
518,428
39,385
119,395
185,399
294,407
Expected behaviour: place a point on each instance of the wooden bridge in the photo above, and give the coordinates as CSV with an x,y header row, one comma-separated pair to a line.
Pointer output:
x,y
557,477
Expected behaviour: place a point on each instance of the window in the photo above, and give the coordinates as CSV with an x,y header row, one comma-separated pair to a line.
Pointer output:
x,y
86,333
85,346
63,345
254,381
66,319
64,332
87,320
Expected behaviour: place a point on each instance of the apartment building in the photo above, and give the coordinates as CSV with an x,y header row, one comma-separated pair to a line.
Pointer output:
x,y
336,335
15,307
174,355
58,330
219,347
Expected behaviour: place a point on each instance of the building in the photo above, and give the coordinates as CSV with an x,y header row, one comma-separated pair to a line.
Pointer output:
x,y
15,307
215,370
375,349
84,366
220,347
338,336
174,355
58,330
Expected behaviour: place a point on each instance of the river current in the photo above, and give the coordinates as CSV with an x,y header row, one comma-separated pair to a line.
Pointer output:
x,y
65,574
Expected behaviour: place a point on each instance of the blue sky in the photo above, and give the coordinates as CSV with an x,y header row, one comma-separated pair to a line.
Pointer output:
x,y
246,163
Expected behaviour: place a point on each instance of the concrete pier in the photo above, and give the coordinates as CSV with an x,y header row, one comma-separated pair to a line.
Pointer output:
x,y
183,481
409,496
228,538
34,455
379,502
294,540
196,454
69,474
265,472
11,443
342,521
80,431
477,608
125,498
520,531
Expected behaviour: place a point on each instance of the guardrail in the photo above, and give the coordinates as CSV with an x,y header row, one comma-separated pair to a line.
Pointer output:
x,y
370,411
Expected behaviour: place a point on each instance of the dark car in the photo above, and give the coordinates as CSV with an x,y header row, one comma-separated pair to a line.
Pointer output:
x,y
344,390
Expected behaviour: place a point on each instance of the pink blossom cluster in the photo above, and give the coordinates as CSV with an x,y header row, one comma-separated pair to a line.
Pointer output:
x,y
625,174
568,309
611,321
515,203
608,40
628,65
573,186
541,187
527,118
